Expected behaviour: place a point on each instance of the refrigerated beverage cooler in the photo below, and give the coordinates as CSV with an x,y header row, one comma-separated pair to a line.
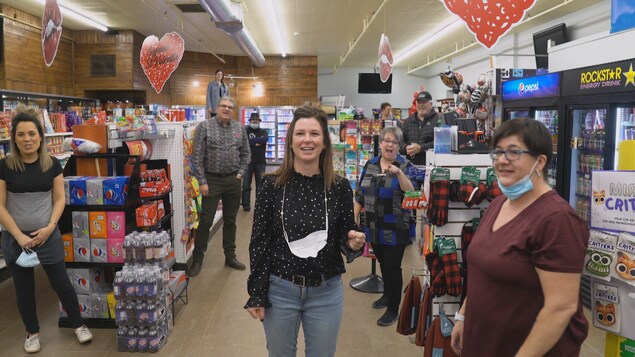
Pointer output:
x,y
276,120
599,104
537,97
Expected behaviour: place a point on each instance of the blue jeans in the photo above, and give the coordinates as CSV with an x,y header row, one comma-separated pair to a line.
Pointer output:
x,y
319,309
252,169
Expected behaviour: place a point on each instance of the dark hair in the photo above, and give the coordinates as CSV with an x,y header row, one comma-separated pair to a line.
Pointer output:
x,y
285,170
15,161
222,80
384,105
532,133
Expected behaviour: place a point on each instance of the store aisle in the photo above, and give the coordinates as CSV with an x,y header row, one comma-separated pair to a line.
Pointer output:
x,y
214,322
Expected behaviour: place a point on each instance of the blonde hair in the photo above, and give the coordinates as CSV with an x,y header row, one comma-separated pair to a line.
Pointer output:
x,y
15,161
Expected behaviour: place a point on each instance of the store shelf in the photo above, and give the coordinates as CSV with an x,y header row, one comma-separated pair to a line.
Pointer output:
x,y
51,135
91,208
156,198
89,322
92,264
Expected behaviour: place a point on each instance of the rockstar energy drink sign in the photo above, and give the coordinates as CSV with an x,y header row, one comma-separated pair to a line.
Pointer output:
x,y
607,78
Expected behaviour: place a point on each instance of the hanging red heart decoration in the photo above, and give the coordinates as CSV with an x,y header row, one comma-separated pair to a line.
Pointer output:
x,y
489,20
385,58
160,58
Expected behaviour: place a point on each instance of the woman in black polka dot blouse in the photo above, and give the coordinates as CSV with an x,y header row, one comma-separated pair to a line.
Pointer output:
x,y
303,223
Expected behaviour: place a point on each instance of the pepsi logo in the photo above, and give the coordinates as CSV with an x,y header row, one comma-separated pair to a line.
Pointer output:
x,y
98,252
81,281
83,308
527,88
110,194
78,192
82,251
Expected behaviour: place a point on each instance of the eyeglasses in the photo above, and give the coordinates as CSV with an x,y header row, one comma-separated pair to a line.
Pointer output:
x,y
511,154
394,142
224,106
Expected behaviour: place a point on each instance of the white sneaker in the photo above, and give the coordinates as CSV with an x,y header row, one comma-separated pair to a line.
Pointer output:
x,y
32,344
83,334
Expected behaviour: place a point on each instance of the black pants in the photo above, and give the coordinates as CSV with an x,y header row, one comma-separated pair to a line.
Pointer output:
x,y
389,258
228,189
24,282
252,170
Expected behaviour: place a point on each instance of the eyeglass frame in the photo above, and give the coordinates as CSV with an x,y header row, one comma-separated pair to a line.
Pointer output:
x,y
394,142
497,153
225,106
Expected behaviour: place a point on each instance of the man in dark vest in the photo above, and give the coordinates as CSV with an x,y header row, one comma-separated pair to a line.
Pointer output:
x,y
258,144
418,130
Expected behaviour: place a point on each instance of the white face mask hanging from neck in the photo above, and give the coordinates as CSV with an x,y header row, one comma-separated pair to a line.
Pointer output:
x,y
313,243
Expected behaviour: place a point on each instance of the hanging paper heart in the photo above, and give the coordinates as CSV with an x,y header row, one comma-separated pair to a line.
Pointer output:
x,y
489,20
51,31
385,58
160,58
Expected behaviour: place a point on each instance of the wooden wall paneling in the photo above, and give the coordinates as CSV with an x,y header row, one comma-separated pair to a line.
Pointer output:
x,y
24,68
91,42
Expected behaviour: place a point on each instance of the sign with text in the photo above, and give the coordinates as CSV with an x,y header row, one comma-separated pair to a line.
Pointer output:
x,y
606,78
547,85
613,200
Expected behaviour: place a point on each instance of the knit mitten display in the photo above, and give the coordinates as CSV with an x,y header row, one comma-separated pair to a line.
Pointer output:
x,y
452,274
439,202
465,193
481,193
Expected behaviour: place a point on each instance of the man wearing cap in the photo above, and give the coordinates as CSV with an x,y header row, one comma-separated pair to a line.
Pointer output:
x,y
418,130
258,145
219,161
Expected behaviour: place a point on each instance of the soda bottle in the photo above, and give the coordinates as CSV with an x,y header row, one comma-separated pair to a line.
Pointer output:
x,y
153,340
142,313
142,344
133,342
139,283
140,250
151,308
151,285
130,285
122,339
148,244
121,317
118,286
131,311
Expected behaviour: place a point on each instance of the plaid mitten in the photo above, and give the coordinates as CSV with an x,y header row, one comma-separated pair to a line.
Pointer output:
x,y
481,194
493,191
467,233
439,202
465,193
452,274
437,279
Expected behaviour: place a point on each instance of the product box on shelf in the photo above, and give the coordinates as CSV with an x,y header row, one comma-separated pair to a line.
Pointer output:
x,y
88,280
67,241
99,305
111,303
77,189
97,224
99,250
67,187
81,250
115,190
95,190
147,214
80,224
116,224
177,281
115,250
85,305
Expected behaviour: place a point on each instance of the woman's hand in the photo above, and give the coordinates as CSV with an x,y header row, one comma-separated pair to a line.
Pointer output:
x,y
356,239
393,170
457,337
24,241
41,235
257,312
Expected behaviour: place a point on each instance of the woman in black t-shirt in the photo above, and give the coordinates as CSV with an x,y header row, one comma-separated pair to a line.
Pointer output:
x,y
31,203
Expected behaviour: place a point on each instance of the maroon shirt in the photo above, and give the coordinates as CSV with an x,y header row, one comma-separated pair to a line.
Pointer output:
x,y
504,294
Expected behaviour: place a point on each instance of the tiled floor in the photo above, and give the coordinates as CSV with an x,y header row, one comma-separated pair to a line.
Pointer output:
x,y
214,323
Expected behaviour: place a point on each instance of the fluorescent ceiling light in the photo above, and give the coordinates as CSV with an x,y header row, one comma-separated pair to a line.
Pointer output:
x,y
439,31
273,14
66,11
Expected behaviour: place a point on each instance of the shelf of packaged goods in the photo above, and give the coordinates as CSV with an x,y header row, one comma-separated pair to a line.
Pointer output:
x,y
50,135
141,135
160,224
90,208
89,322
92,264
156,198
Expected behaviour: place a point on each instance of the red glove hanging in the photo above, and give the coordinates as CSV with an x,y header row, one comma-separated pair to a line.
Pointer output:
x,y
452,274
493,191
481,194
439,202
465,193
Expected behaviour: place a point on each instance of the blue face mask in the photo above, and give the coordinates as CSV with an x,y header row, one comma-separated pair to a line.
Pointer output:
x,y
254,125
516,190
28,259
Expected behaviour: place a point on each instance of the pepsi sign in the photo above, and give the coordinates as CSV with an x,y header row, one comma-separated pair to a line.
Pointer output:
x,y
547,85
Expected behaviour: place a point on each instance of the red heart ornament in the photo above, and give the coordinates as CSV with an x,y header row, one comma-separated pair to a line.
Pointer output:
x,y
489,20
160,58
51,31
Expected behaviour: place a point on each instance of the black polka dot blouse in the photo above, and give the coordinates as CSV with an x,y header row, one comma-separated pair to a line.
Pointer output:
x,y
303,214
